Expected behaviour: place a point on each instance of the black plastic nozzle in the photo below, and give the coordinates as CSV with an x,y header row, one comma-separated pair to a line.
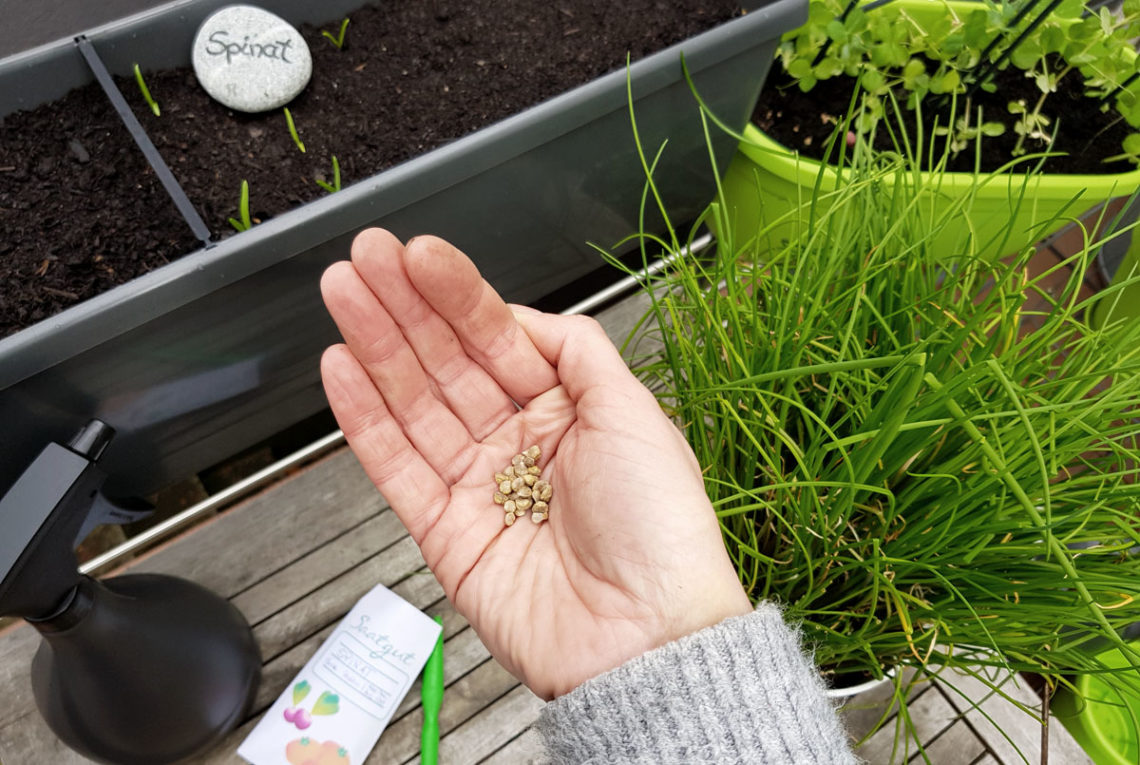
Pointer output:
x,y
40,518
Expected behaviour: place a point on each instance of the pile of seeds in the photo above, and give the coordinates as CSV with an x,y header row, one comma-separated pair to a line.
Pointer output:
x,y
520,488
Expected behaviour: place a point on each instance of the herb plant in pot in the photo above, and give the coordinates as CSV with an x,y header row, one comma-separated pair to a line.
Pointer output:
x,y
917,480
982,89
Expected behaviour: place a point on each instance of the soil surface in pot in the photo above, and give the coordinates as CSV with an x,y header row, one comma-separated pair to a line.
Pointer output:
x,y
411,77
80,209
805,121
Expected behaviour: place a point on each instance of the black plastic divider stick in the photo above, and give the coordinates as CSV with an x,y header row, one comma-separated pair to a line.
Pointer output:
x,y
177,195
1005,54
842,17
1119,88
1021,13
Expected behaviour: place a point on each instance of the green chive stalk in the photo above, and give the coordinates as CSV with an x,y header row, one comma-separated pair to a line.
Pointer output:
x,y
930,464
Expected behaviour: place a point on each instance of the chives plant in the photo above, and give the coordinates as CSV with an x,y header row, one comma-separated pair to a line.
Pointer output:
x,y
893,457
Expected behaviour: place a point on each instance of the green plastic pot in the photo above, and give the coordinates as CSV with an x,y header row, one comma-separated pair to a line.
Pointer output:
x,y
1128,305
765,175
1102,721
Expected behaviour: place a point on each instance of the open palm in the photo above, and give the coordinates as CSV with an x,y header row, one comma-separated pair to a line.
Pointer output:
x,y
439,383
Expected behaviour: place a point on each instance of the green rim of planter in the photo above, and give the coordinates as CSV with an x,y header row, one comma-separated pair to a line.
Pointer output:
x,y
1097,719
787,164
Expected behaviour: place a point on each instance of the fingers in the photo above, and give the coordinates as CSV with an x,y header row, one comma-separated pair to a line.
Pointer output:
x,y
486,327
473,395
395,372
583,355
412,487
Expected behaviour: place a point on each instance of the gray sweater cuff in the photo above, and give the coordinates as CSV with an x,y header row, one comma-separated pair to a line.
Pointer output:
x,y
739,691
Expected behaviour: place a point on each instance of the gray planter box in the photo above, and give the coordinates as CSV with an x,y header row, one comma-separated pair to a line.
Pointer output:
x,y
208,355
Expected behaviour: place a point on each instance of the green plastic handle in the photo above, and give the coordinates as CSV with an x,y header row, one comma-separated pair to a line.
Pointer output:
x,y
431,692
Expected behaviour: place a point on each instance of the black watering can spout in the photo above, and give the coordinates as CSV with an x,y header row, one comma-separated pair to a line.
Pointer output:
x,y
40,518
141,668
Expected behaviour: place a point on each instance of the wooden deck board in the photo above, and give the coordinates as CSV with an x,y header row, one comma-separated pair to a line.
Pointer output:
x,y
17,647
329,603
302,577
464,699
481,736
929,714
990,715
239,548
526,749
862,713
956,745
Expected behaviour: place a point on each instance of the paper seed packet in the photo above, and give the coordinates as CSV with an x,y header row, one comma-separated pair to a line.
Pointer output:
x,y
338,705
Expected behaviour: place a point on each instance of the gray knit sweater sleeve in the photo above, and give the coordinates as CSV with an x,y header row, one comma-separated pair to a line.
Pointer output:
x,y
741,691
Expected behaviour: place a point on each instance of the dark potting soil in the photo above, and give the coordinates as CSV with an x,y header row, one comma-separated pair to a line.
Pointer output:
x,y
805,121
411,77
80,209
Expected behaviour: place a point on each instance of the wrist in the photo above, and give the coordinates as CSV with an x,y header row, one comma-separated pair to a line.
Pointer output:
x,y
709,612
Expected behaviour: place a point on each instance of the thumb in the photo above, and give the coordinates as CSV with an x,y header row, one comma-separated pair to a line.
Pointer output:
x,y
581,352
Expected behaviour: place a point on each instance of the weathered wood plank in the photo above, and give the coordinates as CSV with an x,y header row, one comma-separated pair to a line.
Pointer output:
x,y
332,601
526,749
462,700
461,654
930,713
991,715
861,714
309,573
957,745
480,736
272,529
30,741
17,647
619,320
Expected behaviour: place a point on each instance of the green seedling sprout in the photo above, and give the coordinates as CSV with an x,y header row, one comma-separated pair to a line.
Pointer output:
x,y
243,209
335,185
146,92
965,133
337,40
1131,150
293,130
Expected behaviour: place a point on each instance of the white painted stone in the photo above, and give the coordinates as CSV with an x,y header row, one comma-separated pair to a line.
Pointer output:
x,y
251,60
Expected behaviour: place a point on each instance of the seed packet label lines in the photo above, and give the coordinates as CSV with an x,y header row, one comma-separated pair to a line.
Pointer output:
x,y
338,705
370,677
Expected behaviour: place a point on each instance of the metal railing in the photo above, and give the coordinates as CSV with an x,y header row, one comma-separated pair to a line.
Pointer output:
x,y
267,475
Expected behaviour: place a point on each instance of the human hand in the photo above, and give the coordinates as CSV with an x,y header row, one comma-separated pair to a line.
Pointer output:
x,y
424,389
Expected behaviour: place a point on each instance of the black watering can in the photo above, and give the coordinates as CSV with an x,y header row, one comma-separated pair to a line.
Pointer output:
x,y
137,669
